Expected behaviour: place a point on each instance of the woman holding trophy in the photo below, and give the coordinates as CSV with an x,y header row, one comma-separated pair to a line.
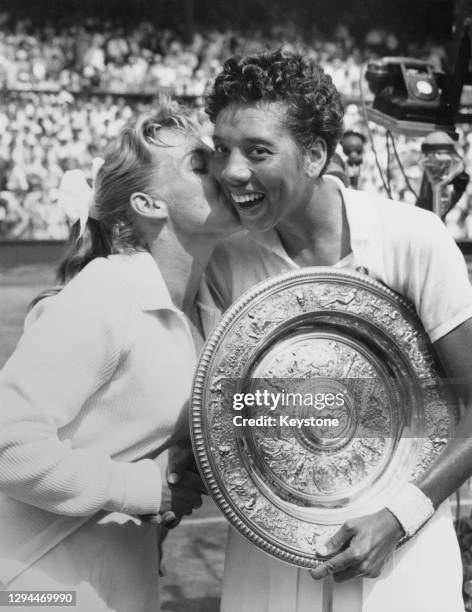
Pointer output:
x,y
278,119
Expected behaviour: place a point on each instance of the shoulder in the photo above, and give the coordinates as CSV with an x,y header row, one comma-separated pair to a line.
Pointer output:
x,y
96,292
98,284
387,208
398,223
407,217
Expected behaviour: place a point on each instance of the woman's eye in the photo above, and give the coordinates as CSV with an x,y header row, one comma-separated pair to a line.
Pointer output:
x,y
199,162
258,152
220,150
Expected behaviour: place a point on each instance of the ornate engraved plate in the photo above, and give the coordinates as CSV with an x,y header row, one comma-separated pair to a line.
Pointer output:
x,y
343,403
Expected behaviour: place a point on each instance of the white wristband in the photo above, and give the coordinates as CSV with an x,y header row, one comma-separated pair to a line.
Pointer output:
x,y
411,507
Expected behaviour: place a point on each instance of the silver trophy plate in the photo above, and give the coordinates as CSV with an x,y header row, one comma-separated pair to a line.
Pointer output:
x,y
315,398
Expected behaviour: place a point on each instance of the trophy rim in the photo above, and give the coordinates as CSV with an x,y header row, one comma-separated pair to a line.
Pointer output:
x,y
198,432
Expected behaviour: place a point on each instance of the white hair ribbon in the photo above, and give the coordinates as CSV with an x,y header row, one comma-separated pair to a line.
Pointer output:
x,y
97,163
76,196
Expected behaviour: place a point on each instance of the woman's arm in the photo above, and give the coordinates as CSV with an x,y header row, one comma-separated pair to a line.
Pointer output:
x,y
68,353
454,465
436,280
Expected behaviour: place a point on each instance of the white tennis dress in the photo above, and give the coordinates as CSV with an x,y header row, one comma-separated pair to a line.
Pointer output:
x,y
410,251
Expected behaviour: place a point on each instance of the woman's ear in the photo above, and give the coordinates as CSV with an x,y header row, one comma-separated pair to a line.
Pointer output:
x,y
145,206
316,158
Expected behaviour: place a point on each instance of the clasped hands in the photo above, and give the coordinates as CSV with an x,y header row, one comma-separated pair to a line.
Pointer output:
x,y
360,547
183,488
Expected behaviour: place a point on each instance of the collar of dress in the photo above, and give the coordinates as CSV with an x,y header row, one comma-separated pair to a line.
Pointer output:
x,y
141,273
360,216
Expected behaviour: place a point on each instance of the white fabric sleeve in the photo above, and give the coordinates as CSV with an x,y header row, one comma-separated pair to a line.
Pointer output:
x,y
438,281
65,355
237,264
209,307
219,276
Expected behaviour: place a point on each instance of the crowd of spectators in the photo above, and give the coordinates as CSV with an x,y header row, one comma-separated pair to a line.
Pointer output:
x,y
67,90
41,136
96,54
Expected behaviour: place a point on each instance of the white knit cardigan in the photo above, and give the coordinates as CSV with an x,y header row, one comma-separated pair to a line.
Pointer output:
x,y
100,379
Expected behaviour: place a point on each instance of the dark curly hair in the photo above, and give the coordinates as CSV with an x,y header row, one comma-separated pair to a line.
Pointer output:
x,y
314,107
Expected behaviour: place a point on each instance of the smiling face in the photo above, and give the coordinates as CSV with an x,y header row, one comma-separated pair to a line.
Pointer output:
x,y
195,201
259,165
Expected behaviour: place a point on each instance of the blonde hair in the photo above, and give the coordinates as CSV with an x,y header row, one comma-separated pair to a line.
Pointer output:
x,y
131,162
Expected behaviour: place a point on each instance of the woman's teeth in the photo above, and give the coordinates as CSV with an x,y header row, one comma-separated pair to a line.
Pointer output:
x,y
247,200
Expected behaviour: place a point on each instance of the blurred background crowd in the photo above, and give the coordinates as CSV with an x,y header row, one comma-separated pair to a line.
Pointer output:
x,y
70,79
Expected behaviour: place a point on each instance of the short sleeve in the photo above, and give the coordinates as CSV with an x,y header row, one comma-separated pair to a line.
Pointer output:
x,y
219,275
438,281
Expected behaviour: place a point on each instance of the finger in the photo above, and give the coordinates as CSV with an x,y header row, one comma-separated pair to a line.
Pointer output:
x,y
359,570
348,574
154,519
173,524
180,458
336,541
337,564
170,520
168,517
190,480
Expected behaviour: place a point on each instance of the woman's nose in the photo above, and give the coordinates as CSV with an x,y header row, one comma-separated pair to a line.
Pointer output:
x,y
236,171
